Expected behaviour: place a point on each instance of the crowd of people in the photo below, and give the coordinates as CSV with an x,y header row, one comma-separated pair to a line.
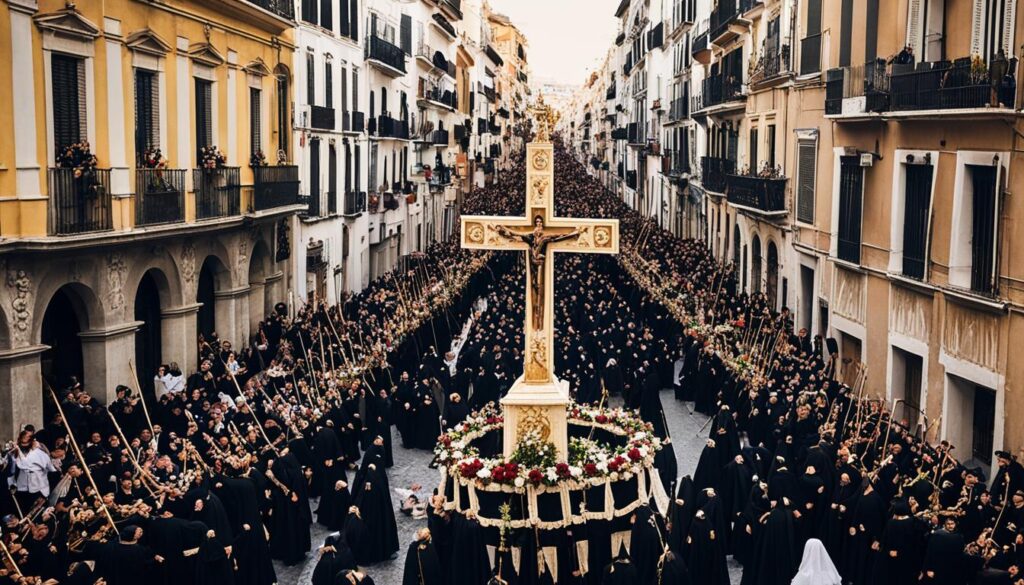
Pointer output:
x,y
220,471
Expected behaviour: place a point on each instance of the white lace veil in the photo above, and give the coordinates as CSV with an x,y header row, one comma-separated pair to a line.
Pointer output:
x,y
816,567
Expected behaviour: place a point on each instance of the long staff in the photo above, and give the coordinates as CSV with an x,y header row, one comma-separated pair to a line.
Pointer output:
x,y
142,399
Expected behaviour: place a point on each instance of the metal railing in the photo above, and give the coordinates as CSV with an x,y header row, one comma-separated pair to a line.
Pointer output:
x,y
761,193
353,122
355,203
218,192
679,109
722,16
79,204
870,81
774,62
609,94
321,117
437,94
714,172
619,134
700,43
282,8
717,90
944,85
377,49
388,127
438,137
276,186
810,54
444,24
159,196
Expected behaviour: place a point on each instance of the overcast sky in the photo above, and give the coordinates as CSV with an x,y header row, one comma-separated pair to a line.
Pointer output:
x,y
568,38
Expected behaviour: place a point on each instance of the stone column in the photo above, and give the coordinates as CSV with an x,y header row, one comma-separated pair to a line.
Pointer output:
x,y
21,388
231,310
105,353
178,336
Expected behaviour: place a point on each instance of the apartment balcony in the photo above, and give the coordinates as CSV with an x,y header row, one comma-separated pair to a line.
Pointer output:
x,y
631,179
714,173
273,15
79,204
321,118
386,127
438,97
679,110
441,23
386,57
675,163
451,8
620,134
503,113
276,186
627,65
218,192
610,93
761,195
726,23
438,138
723,92
635,134
810,54
489,93
700,50
353,123
494,128
926,89
390,201
159,196
355,203
774,64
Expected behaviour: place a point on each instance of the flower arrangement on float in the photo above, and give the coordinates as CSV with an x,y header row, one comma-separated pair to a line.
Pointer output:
x,y
533,461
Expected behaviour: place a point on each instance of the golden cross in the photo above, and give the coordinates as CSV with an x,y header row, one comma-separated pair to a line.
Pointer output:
x,y
539,235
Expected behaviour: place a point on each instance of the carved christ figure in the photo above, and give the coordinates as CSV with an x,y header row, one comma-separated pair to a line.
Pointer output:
x,y
538,241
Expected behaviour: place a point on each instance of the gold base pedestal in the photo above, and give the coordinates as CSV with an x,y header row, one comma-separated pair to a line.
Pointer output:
x,y
540,407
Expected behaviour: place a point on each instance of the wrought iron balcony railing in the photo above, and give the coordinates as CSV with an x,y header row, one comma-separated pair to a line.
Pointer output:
x,y
869,81
438,137
276,186
609,94
353,122
321,118
761,193
355,202
218,192
714,172
80,200
388,127
700,43
159,196
718,90
442,22
773,63
380,51
282,8
619,134
945,86
679,110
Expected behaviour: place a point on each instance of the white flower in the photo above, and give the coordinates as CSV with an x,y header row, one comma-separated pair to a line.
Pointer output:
x,y
550,474
575,471
642,450
457,455
442,456
626,476
483,473
614,476
602,457
520,482
602,466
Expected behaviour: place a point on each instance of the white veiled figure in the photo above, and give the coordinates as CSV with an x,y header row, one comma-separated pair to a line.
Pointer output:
x,y
816,568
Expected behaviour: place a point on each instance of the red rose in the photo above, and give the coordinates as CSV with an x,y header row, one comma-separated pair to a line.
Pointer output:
x,y
614,464
511,470
562,469
601,418
634,454
497,473
469,469
590,469
536,476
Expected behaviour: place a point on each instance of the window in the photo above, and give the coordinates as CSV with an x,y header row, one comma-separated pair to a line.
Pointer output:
x,y
754,168
314,177
283,119
344,26
332,179
770,159
326,14
309,11
846,33
255,119
147,112
984,211
344,99
204,114
406,34
69,101
807,163
328,84
810,46
851,192
992,27
310,80
355,89
915,219
354,19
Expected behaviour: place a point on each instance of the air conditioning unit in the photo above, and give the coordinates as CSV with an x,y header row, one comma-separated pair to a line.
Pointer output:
x,y
867,159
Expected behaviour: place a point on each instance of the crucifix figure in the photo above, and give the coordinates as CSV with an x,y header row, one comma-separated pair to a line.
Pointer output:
x,y
539,234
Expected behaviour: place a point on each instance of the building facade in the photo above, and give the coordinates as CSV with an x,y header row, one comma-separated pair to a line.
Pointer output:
x,y
131,222
853,161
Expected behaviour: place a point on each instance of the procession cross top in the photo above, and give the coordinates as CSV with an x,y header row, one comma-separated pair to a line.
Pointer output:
x,y
540,234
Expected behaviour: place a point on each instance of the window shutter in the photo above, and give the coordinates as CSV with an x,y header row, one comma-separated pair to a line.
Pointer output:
x,y
978,28
1009,22
354,18
344,93
357,169
283,122
328,84
255,117
814,17
310,80
807,161
343,19
355,89
846,33
406,34
327,14
68,115
147,111
204,114
871,34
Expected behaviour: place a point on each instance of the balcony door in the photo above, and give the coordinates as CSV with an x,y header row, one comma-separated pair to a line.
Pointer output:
x,y
851,193
916,219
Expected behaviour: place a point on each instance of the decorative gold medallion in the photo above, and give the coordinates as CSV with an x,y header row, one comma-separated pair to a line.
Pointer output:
x,y
602,236
540,161
475,233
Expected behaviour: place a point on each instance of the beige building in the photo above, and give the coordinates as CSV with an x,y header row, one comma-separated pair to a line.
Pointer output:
x,y
122,257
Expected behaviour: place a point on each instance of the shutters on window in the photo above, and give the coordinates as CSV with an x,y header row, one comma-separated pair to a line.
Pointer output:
x,y
814,17
344,96
915,14
871,32
283,121
328,84
807,161
851,205
310,80
332,179
309,11
69,116
255,118
343,19
204,113
355,89
147,111
406,34
354,18
846,33
327,14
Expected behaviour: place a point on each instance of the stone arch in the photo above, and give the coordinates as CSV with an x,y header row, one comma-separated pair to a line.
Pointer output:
x,y
262,288
755,263
167,273
5,331
69,311
772,274
212,277
151,298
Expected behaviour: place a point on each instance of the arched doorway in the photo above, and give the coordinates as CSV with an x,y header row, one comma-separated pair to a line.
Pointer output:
x,y
772,280
755,264
62,364
261,295
736,245
148,344
210,281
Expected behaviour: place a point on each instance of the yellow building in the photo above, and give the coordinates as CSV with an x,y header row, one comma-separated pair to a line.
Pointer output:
x,y
155,241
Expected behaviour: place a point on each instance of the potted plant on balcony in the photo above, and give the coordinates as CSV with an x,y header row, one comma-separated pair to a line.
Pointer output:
x,y
210,160
258,159
154,160
79,157
374,202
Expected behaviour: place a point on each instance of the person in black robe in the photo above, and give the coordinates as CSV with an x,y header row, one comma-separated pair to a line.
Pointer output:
x,y
353,577
328,475
124,561
372,498
422,565
455,411
249,548
335,557
426,417
620,572
290,516
645,543
470,564
899,558
943,562
775,558
706,557
672,570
